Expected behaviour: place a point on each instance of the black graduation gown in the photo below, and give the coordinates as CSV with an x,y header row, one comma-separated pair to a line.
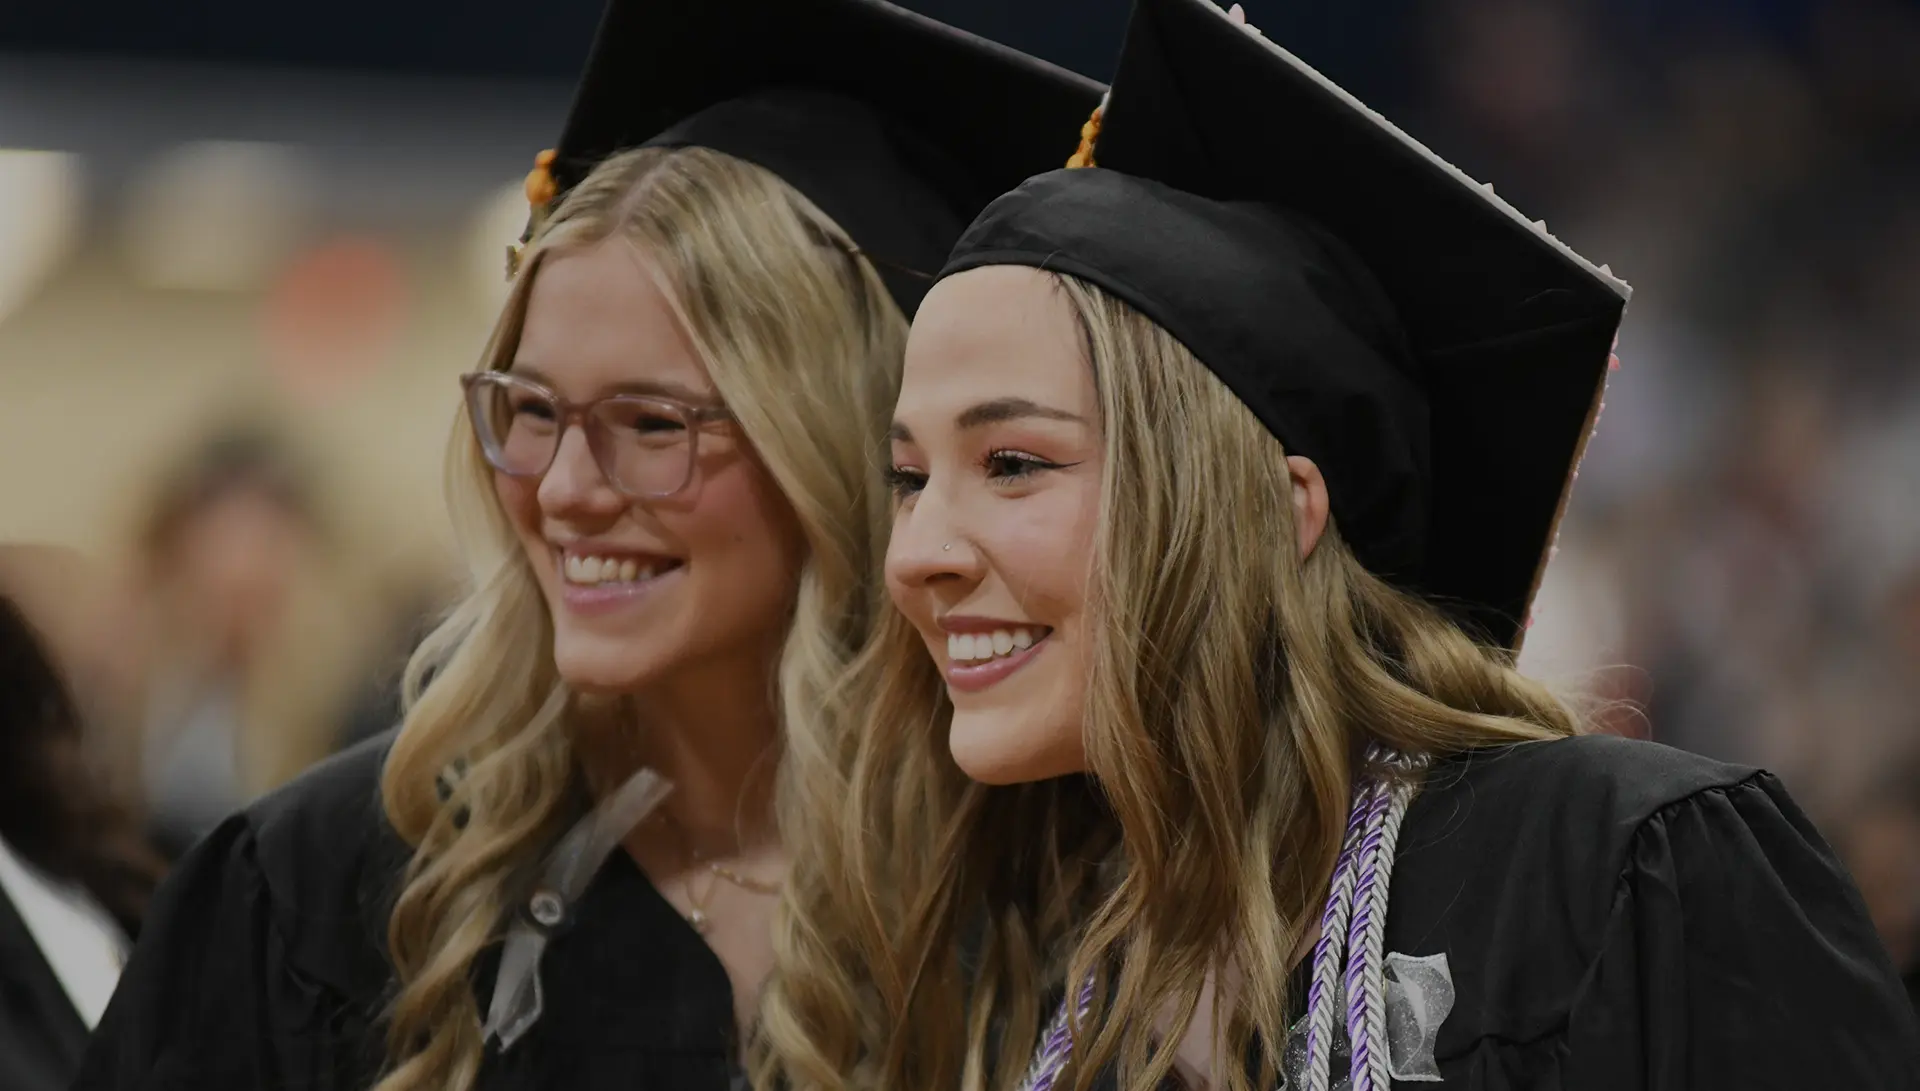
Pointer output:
x,y
1619,915
262,966
1622,916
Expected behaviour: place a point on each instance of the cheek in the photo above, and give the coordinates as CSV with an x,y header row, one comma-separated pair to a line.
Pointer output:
x,y
517,498
744,534
1042,550
520,502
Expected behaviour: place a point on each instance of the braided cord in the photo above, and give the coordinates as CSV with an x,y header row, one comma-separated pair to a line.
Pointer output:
x,y
1353,930
1056,1045
1366,967
1329,950
1366,868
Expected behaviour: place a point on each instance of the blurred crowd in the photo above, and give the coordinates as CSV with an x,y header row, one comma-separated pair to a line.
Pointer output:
x,y
231,646
1741,565
1739,573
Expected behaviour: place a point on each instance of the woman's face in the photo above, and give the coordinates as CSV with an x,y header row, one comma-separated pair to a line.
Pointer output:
x,y
997,460
644,590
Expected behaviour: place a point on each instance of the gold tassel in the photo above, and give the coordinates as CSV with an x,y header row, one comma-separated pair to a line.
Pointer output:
x,y
1089,133
541,190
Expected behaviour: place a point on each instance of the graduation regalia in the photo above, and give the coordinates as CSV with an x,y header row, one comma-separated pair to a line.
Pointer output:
x,y
1578,915
263,964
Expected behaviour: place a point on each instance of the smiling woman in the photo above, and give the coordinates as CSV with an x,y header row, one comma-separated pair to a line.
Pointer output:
x,y
1225,465
563,870
719,546
997,461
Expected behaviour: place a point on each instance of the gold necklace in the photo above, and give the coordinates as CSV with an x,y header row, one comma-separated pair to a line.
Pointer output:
x,y
699,918
745,882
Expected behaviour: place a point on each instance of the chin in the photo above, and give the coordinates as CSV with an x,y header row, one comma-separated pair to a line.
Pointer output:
x,y
592,667
990,750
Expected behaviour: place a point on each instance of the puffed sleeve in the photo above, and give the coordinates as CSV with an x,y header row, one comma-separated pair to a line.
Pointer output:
x,y
210,998
1738,955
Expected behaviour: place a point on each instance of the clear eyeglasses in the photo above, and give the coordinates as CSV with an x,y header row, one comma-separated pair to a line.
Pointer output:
x,y
645,446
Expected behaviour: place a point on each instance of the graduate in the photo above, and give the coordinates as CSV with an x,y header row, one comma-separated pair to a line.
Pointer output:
x,y
1226,464
563,871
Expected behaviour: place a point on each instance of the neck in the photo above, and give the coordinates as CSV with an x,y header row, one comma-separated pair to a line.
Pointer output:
x,y
713,733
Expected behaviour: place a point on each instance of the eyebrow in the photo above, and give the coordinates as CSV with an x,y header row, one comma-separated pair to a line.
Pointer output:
x,y
1006,409
646,387
993,412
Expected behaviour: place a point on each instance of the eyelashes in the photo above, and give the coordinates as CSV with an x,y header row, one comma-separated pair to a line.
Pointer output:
x,y
903,483
1010,465
1001,466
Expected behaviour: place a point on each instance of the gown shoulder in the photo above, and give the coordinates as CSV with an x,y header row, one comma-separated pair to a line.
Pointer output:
x,y
1617,914
262,960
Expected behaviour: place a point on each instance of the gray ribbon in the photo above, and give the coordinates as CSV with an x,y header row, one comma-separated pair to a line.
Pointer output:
x,y
572,864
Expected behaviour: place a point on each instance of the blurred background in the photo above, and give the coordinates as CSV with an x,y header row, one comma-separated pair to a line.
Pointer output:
x,y
245,249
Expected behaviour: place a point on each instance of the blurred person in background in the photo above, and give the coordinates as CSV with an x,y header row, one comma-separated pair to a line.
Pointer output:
x,y
75,874
245,655
666,482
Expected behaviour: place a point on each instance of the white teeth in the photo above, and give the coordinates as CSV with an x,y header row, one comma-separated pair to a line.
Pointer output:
x,y
979,647
592,570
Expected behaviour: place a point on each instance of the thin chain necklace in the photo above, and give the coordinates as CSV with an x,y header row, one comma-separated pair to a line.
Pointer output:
x,y
716,871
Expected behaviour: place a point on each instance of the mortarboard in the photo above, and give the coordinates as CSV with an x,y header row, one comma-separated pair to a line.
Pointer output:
x,y
898,127
1438,356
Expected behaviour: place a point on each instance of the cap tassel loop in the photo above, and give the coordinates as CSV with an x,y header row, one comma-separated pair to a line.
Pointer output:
x,y
541,189
1089,135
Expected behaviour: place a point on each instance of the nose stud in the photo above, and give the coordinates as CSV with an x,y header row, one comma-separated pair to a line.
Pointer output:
x,y
947,548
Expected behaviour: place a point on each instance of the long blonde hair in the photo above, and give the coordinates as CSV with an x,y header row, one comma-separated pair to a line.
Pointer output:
x,y
1232,685
804,343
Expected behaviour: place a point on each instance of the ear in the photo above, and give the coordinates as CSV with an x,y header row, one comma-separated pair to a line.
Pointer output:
x,y
1309,502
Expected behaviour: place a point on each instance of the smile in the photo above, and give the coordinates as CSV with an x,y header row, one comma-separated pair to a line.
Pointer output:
x,y
984,646
602,583
598,571
978,660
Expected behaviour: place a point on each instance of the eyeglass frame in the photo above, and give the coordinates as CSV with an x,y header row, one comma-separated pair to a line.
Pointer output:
x,y
568,413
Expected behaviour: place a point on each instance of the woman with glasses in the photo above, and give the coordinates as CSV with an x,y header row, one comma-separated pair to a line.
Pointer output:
x,y
563,870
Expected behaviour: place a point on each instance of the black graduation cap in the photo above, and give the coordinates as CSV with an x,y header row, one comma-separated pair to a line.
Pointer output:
x,y
1438,356
898,127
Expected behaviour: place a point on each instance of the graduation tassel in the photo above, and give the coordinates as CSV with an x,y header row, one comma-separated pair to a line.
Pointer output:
x,y
1089,136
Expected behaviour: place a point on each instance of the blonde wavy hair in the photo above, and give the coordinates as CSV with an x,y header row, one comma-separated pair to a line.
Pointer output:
x,y
804,344
1232,688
